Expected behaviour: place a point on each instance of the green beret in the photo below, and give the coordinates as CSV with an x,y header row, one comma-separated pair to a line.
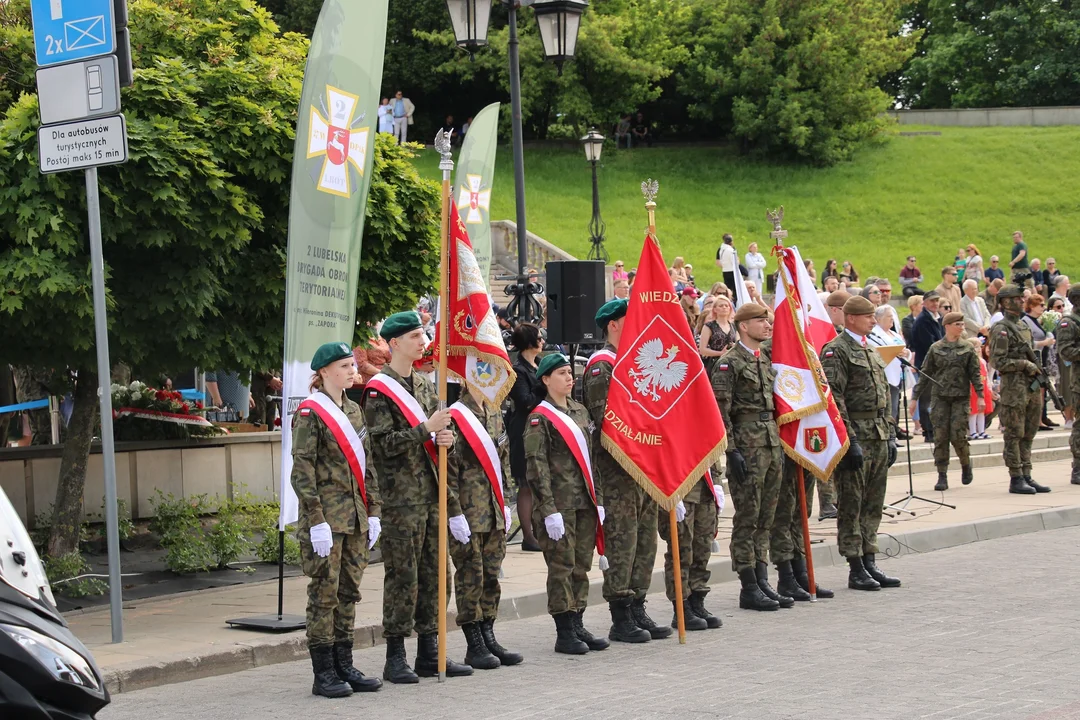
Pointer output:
x,y
398,324
550,363
611,310
858,305
1010,291
328,353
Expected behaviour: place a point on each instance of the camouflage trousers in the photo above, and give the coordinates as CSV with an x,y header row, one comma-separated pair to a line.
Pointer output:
x,y
410,550
786,540
861,500
334,588
826,492
755,500
696,533
476,575
629,539
1019,424
950,418
1074,437
568,560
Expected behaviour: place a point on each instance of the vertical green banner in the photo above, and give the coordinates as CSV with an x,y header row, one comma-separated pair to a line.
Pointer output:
x,y
333,155
475,176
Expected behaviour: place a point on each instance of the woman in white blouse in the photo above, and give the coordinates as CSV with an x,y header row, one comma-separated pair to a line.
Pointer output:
x,y
885,334
755,266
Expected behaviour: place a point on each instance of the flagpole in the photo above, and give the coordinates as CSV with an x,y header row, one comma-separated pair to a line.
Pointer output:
x,y
804,516
676,566
446,164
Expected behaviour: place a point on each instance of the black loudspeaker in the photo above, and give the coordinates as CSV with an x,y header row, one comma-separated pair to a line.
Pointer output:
x,y
575,291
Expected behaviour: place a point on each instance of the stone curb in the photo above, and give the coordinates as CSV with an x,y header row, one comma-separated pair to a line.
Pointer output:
x,y
264,650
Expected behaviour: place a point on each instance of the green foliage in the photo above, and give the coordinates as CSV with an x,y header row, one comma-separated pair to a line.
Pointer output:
x,y
992,53
178,523
64,571
229,537
124,526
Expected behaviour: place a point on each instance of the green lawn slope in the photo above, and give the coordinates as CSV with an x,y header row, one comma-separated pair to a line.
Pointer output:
x,y
925,194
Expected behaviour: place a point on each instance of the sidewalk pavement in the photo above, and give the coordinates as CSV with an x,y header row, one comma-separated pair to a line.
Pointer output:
x,y
184,637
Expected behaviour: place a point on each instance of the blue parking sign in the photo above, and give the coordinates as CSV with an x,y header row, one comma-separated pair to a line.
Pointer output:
x,y
68,30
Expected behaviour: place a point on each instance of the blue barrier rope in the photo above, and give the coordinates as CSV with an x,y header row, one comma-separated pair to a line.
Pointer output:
x,y
192,394
32,405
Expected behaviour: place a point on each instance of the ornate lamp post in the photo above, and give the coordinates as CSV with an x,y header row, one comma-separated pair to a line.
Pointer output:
x,y
594,145
558,22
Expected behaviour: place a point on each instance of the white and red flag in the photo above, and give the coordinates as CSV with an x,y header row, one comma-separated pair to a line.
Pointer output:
x,y
475,353
811,429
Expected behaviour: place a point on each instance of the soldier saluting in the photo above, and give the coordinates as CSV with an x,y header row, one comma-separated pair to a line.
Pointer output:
x,y
339,517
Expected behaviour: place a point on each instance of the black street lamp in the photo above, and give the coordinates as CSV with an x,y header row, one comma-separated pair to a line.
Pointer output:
x,y
558,22
594,145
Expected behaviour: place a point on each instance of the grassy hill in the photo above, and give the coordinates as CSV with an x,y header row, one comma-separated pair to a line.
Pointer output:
x,y
926,194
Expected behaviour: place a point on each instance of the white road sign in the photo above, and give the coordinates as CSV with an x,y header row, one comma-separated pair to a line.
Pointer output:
x,y
77,145
79,90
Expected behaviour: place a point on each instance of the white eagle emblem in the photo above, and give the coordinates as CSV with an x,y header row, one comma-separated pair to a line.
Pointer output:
x,y
657,369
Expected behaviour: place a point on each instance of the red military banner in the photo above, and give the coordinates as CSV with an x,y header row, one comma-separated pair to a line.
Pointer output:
x,y
662,423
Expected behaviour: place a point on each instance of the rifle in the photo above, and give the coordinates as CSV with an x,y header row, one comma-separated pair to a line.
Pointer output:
x,y
1042,381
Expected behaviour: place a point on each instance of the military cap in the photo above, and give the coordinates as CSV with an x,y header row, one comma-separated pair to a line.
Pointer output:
x,y
550,363
611,310
952,317
398,324
838,298
858,305
328,353
932,295
1073,294
1010,291
749,311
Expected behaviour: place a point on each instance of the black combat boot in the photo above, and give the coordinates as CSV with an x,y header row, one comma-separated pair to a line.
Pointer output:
x,y
396,669
566,639
751,597
858,578
874,571
762,574
691,621
1075,475
594,643
343,664
786,583
1037,486
1019,486
477,655
697,604
942,480
827,512
798,564
966,476
327,683
506,657
643,621
623,627
427,659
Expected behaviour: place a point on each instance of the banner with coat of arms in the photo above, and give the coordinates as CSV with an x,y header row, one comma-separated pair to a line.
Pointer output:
x,y
332,165
473,181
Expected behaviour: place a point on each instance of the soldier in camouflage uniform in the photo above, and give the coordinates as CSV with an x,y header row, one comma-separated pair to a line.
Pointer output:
x,y
786,541
1012,354
1068,348
564,515
743,385
477,562
697,515
948,372
336,526
408,484
630,513
856,374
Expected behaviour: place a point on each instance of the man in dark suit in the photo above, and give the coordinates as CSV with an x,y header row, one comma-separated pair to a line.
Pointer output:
x,y
925,332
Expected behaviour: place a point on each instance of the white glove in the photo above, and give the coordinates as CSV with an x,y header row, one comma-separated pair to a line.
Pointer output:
x,y
680,512
719,490
374,525
507,518
601,513
322,539
554,525
459,528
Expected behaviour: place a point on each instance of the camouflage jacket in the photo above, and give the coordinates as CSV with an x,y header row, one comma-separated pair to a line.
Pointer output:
x,y
1013,355
1068,348
953,367
606,469
552,471
743,387
470,482
321,477
856,375
407,474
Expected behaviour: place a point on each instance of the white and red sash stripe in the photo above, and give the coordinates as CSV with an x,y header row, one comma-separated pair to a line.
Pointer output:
x,y
712,488
574,438
482,446
603,355
406,403
343,431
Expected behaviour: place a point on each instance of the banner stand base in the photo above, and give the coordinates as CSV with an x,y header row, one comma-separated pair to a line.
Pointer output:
x,y
273,623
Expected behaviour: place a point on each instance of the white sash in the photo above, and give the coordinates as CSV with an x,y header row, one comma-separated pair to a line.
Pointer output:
x,y
599,355
583,447
493,466
405,400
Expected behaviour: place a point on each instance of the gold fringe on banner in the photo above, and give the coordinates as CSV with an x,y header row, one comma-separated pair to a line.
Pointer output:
x,y
667,502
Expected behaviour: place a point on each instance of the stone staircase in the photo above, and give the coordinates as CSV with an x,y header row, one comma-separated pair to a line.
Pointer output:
x,y
1047,446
